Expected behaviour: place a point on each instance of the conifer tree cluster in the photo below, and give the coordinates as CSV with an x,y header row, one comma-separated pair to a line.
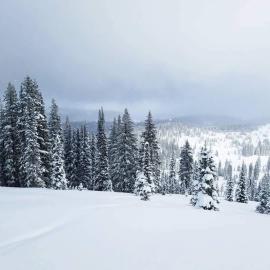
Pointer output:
x,y
31,151
41,151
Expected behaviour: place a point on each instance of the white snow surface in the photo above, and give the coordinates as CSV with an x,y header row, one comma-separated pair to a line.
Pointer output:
x,y
47,229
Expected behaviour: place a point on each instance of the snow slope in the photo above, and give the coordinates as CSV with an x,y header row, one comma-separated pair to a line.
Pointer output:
x,y
226,145
46,229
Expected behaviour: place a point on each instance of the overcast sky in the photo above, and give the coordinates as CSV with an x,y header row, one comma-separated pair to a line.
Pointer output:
x,y
175,57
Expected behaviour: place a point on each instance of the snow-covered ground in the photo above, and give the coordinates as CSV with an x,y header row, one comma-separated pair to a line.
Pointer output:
x,y
225,145
46,229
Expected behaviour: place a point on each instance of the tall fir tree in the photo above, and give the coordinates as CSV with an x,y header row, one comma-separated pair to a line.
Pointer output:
x,y
43,137
127,154
113,154
257,169
149,136
58,175
93,161
75,175
251,185
241,191
30,174
102,179
144,185
173,187
68,150
264,199
195,183
2,160
10,138
85,158
229,195
185,169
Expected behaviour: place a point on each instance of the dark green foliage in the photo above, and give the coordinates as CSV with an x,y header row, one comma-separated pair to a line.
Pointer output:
x,y
102,179
150,136
241,191
185,169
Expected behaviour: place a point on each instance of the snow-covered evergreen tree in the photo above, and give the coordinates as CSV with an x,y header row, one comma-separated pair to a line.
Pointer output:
x,y
43,137
185,169
85,159
195,183
127,154
257,169
67,134
102,179
75,173
10,139
264,206
207,196
251,186
229,195
31,174
173,188
150,136
2,161
93,161
58,175
241,191
113,155
144,185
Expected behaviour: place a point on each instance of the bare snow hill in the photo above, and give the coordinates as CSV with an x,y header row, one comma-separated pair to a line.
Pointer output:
x,y
52,230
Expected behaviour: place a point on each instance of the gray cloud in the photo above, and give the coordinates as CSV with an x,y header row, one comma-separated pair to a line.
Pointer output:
x,y
174,57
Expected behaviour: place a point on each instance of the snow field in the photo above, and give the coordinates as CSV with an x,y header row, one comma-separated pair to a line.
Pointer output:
x,y
47,229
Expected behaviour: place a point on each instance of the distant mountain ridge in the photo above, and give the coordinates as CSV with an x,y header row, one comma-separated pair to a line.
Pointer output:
x,y
221,122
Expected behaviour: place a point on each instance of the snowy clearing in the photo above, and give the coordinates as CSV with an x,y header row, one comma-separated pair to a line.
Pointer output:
x,y
46,229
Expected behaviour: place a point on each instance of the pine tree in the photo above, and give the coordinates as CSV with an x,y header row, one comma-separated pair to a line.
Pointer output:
x,y
127,154
173,188
164,183
207,196
102,180
1,145
142,187
68,150
185,169
241,191
251,187
10,138
43,137
195,183
31,174
58,175
144,183
264,206
113,154
85,159
75,173
93,161
257,169
229,184
150,136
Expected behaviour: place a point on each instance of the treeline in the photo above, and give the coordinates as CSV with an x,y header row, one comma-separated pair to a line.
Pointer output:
x,y
40,152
